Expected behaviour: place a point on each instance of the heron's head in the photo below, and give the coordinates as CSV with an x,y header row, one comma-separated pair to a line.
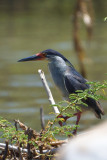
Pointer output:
x,y
46,54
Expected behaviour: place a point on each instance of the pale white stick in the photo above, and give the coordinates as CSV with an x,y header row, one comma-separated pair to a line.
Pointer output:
x,y
50,97
15,148
12,147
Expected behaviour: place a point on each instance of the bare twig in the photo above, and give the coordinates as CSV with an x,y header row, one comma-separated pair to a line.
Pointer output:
x,y
60,142
22,126
29,155
16,125
42,118
30,135
50,97
6,151
25,128
20,153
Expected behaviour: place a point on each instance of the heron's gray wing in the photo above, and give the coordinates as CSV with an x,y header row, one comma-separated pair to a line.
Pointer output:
x,y
74,81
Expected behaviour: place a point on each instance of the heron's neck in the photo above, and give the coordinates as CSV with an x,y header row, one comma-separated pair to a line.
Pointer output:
x,y
58,63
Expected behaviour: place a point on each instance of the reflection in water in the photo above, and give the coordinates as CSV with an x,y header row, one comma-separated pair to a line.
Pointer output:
x,y
25,33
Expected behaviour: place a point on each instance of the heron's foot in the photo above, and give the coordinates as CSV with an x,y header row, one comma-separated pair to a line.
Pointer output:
x,y
74,131
62,120
78,114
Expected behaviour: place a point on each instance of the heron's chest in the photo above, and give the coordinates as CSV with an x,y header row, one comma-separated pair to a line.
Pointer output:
x,y
57,74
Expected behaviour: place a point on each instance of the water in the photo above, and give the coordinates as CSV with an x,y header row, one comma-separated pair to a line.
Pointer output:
x,y
21,90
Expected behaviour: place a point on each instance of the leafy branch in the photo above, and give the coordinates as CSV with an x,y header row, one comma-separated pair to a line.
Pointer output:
x,y
40,143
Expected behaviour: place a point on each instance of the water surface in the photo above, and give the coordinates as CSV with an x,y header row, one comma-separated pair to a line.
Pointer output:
x,y
21,90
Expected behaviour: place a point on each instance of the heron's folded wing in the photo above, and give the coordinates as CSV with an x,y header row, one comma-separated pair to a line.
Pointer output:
x,y
74,82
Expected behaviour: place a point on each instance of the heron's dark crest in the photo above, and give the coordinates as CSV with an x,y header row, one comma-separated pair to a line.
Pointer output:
x,y
51,52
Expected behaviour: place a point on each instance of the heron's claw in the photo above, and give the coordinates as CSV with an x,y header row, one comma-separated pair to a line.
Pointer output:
x,y
62,120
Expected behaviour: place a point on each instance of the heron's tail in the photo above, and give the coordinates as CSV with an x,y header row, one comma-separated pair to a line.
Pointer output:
x,y
95,105
98,110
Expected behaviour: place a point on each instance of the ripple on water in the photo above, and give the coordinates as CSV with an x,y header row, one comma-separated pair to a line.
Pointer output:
x,y
26,81
4,93
42,101
20,110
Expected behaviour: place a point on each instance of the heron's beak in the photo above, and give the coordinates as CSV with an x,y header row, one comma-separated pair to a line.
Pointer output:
x,y
38,56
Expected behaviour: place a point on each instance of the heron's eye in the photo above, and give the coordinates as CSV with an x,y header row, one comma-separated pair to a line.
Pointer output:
x,y
44,54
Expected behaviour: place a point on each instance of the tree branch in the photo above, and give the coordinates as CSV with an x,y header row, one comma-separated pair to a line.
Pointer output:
x,y
48,91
